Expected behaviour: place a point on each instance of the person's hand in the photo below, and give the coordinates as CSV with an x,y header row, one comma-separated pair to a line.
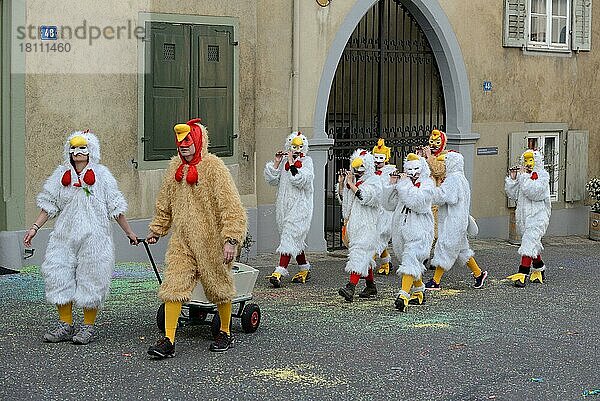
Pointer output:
x,y
29,236
133,239
290,156
279,157
229,251
152,237
403,176
522,169
341,176
349,178
513,173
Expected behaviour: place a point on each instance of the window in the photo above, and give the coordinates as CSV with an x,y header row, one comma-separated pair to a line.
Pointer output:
x,y
547,143
548,25
188,74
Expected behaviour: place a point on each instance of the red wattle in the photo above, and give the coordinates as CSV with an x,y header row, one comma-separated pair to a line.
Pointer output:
x,y
89,177
179,173
66,178
192,175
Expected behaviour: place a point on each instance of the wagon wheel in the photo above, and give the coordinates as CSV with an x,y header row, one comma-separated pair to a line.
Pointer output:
x,y
160,318
250,318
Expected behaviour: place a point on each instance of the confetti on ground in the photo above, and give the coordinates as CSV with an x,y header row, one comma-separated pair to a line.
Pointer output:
x,y
430,325
537,380
457,346
449,292
297,376
591,392
125,354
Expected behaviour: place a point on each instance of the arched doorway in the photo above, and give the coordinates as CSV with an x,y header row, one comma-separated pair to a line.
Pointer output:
x,y
387,84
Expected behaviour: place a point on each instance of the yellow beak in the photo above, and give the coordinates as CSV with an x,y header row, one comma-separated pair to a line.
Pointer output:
x,y
78,141
297,141
356,163
181,131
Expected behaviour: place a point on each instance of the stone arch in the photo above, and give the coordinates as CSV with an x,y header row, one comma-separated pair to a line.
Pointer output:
x,y
439,32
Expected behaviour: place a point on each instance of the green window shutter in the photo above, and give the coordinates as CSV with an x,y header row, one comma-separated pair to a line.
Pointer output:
x,y
212,84
517,143
576,165
516,22
581,36
166,90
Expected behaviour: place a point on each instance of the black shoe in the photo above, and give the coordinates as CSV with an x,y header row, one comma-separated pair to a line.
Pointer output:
x,y
369,291
431,285
222,342
480,280
347,292
163,349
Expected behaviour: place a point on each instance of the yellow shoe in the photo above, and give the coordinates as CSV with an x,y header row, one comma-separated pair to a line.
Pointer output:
x,y
537,276
417,298
384,269
275,279
402,300
518,279
301,276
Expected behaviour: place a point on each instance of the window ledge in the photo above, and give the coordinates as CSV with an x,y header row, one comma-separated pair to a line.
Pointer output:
x,y
536,51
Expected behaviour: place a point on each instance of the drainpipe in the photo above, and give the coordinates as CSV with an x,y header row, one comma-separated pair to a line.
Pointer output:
x,y
295,65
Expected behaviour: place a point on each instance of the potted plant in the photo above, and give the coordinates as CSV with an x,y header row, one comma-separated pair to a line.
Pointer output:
x,y
593,189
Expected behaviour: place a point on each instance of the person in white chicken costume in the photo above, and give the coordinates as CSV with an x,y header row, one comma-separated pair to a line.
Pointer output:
x,y
83,195
382,154
409,196
530,187
453,198
294,209
359,191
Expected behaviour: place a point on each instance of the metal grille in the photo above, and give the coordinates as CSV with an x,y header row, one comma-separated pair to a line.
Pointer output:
x,y
213,53
168,52
387,85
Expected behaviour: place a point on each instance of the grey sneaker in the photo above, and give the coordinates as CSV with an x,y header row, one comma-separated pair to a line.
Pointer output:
x,y
85,335
63,332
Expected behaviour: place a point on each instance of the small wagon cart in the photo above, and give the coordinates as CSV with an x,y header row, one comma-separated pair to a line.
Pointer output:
x,y
198,309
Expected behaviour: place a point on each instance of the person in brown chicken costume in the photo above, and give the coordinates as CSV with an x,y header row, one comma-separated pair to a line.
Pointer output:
x,y
199,201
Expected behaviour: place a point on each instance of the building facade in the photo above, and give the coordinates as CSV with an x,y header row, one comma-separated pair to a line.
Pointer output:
x,y
497,77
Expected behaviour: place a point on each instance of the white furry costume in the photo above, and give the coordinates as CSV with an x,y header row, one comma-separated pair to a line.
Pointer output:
x,y
362,213
384,220
412,228
453,197
294,198
80,255
532,193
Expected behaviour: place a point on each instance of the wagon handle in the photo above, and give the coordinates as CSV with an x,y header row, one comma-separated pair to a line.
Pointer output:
x,y
143,241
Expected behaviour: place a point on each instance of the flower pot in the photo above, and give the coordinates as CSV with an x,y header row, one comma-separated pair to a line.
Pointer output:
x,y
595,226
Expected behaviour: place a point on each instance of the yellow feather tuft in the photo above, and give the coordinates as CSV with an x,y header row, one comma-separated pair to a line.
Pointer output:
x,y
412,157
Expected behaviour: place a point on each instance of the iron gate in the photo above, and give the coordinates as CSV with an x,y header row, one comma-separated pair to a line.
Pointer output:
x,y
387,85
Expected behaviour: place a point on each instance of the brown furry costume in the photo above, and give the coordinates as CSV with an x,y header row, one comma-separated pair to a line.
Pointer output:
x,y
203,216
